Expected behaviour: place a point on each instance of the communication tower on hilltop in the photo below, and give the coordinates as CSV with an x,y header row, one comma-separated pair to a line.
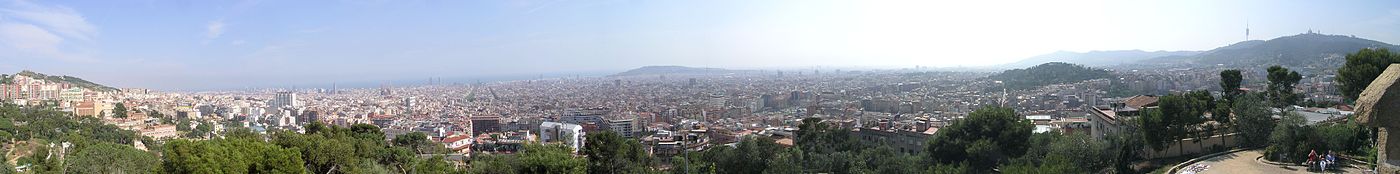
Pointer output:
x,y
1246,30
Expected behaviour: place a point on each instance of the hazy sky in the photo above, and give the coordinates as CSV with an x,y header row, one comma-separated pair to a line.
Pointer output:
x,y
204,44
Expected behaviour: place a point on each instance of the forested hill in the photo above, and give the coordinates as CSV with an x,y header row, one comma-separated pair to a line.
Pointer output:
x,y
70,80
1047,74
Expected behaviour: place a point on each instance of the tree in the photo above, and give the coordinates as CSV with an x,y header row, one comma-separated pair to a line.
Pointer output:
x,y
435,164
537,158
201,131
986,138
785,162
1361,68
1281,82
1053,152
491,163
229,156
419,142
119,111
1174,118
1155,126
1253,119
609,152
1286,142
813,136
1230,81
1126,148
883,159
1083,152
112,158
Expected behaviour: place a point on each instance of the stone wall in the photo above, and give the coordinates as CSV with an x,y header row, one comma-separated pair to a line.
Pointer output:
x,y
1190,146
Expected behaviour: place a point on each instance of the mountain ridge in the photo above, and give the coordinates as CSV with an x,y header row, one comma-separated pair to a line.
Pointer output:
x,y
672,70
1096,57
1293,51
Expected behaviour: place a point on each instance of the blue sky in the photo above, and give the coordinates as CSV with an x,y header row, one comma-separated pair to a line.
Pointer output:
x,y
187,44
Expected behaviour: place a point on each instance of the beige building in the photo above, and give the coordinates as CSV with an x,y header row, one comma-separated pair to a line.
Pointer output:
x,y
91,108
160,132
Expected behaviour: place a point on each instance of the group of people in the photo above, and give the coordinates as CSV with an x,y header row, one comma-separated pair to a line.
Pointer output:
x,y
1321,160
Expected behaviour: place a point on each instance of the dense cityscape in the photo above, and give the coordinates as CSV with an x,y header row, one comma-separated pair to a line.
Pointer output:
x,y
1297,102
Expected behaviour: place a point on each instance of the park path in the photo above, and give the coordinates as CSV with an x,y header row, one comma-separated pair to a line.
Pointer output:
x,y
1243,162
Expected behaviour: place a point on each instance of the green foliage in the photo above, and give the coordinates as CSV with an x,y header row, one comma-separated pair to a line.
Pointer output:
x,y
201,130
813,136
101,148
1230,81
1289,140
884,159
959,168
750,155
537,158
419,142
358,149
1361,68
1053,152
51,124
1280,89
1253,119
230,156
1047,74
493,163
119,111
39,160
986,138
435,164
1174,118
1083,152
1292,140
1125,147
112,158
609,152
1222,112
785,162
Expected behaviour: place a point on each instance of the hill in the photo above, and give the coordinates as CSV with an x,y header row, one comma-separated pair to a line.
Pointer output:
x,y
1097,58
1047,74
70,80
1303,50
672,70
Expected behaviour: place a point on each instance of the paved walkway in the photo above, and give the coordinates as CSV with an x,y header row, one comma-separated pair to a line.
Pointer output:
x,y
1243,163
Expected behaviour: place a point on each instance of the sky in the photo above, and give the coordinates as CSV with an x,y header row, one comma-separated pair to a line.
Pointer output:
x,y
223,44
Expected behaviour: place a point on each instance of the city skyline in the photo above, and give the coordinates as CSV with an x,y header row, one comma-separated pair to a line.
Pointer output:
x,y
237,44
722,86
